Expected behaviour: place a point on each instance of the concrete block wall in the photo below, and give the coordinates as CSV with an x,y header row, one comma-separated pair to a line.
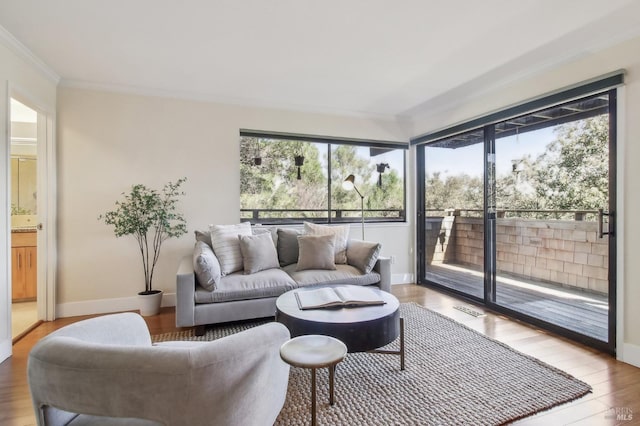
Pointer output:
x,y
440,235
568,253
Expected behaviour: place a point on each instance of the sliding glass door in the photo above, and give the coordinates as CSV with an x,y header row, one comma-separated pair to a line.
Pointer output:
x,y
454,224
518,215
552,195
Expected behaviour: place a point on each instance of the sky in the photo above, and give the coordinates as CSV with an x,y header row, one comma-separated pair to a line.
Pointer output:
x,y
469,160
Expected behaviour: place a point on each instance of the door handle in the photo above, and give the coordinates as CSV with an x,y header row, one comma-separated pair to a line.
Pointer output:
x,y
601,214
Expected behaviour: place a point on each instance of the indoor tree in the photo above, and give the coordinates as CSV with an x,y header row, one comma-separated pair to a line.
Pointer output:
x,y
151,216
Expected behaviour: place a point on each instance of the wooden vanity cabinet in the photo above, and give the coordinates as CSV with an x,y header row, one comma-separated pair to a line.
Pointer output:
x,y
24,266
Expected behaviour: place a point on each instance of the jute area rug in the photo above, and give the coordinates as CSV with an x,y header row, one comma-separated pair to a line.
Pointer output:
x,y
453,376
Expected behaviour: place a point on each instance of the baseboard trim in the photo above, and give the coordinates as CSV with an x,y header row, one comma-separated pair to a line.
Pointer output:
x,y
5,349
106,306
402,279
631,354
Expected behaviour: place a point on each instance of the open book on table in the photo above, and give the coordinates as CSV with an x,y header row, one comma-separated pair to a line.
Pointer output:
x,y
327,297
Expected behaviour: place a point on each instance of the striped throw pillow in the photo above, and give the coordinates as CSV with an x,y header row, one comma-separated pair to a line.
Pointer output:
x,y
226,245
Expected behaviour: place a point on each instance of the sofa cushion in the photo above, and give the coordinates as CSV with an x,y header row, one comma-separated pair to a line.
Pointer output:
x,y
238,286
206,266
316,252
343,274
287,246
363,254
226,246
341,234
258,252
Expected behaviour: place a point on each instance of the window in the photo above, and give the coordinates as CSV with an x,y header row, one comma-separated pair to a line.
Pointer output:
x,y
290,179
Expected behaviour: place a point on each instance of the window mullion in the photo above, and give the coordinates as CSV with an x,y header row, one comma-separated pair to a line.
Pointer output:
x,y
329,183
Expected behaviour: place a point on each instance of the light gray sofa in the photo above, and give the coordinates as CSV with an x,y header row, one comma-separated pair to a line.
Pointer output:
x,y
240,296
106,371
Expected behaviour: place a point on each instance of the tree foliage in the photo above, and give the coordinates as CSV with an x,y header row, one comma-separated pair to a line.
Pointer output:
x,y
273,184
571,174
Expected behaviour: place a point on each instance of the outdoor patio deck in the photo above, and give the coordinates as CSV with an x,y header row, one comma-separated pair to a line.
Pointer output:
x,y
583,312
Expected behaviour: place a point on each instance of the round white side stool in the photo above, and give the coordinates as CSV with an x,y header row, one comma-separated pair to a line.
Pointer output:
x,y
313,352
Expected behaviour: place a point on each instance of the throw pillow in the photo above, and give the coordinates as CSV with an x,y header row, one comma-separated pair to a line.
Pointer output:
x,y
206,266
316,252
226,246
205,237
288,246
341,233
363,254
258,252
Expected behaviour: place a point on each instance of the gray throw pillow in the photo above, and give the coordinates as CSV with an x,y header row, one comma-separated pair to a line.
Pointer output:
x,y
258,252
288,246
316,252
206,266
205,237
259,229
363,254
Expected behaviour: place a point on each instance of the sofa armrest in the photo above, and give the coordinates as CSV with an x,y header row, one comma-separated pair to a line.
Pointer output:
x,y
383,267
185,293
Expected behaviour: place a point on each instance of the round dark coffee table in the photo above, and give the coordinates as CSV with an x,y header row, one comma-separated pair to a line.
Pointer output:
x,y
362,328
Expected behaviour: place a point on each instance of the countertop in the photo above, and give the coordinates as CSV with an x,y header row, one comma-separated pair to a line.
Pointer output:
x,y
24,229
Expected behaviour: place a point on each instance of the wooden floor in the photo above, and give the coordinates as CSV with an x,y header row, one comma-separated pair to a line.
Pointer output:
x,y
23,316
576,310
616,385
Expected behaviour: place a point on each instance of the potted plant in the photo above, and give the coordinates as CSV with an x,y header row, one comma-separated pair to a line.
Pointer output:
x,y
151,217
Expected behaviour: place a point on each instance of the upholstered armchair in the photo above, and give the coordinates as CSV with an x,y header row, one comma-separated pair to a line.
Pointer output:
x,y
105,370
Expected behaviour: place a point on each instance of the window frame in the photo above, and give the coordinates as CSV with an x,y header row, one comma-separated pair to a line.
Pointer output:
x,y
606,84
330,141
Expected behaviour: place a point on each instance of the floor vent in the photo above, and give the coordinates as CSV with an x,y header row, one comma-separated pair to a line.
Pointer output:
x,y
469,311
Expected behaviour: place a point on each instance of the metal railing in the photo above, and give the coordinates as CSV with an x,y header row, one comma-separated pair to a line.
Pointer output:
x,y
577,215
290,216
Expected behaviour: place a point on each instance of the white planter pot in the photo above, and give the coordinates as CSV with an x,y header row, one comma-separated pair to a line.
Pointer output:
x,y
150,303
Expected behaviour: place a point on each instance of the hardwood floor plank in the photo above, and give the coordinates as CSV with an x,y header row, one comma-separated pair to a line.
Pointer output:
x,y
615,384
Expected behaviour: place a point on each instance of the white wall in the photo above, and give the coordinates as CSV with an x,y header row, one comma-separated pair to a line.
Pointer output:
x,y
622,56
109,141
21,77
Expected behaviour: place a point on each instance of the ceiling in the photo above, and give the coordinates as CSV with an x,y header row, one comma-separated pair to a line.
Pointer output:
x,y
370,57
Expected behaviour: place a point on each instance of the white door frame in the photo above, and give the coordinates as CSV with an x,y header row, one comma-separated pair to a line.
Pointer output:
x,y
47,256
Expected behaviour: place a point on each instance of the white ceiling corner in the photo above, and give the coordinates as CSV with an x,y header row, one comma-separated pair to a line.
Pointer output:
x,y
23,52
361,57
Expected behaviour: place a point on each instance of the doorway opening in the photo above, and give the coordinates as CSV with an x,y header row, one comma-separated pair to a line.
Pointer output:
x,y
24,218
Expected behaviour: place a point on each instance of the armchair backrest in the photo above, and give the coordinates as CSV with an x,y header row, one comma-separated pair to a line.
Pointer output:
x,y
121,374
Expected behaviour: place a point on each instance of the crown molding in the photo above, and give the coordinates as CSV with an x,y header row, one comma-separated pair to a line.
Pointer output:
x,y
226,100
27,55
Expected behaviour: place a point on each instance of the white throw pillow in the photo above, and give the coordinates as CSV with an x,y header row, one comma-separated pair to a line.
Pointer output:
x,y
226,246
341,234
